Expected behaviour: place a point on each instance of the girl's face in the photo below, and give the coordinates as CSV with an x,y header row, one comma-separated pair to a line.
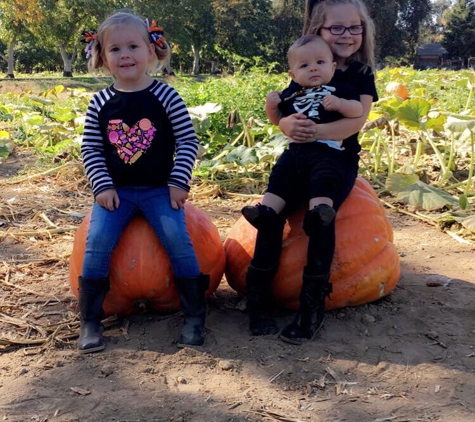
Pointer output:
x,y
127,56
344,45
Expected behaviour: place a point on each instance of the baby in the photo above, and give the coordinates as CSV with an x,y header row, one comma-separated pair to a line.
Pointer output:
x,y
315,163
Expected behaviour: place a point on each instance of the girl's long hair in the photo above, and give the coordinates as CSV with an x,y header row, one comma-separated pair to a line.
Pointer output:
x,y
315,16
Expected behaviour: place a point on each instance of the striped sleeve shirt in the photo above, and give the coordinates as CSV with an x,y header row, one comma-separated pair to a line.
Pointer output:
x,y
143,138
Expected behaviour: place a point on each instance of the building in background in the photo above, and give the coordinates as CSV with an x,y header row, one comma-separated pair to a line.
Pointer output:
x,y
430,56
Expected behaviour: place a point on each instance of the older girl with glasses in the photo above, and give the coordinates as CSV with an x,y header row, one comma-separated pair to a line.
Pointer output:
x,y
349,30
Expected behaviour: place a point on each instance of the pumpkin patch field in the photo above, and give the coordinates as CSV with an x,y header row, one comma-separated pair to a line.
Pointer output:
x,y
398,343
408,356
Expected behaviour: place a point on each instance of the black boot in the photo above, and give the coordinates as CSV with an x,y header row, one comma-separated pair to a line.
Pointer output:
x,y
311,314
92,292
193,304
260,216
259,301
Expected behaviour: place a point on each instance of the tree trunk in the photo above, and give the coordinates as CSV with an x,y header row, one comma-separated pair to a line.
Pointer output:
x,y
67,62
214,67
196,60
230,66
11,59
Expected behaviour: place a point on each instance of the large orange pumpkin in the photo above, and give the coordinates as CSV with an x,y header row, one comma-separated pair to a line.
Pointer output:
x,y
141,274
365,265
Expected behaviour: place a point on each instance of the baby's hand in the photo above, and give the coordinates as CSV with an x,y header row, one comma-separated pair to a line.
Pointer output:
x,y
273,99
332,103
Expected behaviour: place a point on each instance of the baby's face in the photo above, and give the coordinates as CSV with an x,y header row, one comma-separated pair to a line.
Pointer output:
x,y
312,64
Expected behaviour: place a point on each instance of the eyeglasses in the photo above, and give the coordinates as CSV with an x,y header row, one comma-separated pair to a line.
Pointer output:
x,y
340,29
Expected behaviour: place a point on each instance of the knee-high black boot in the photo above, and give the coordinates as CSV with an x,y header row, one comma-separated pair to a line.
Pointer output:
x,y
193,304
319,225
260,275
311,314
259,301
92,292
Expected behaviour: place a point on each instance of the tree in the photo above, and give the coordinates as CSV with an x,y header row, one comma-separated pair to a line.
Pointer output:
x,y
459,35
189,24
389,37
238,27
286,24
432,27
63,22
412,13
15,17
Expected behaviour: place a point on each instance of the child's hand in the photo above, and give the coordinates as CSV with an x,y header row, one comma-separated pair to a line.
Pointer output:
x,y
108,199
332,103
177,197
273,99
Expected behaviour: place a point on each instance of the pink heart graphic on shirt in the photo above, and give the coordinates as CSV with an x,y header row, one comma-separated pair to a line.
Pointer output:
x,y
131,142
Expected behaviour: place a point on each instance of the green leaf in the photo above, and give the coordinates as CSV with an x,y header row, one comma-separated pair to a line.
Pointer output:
x,y
33,119
58,89
418,92
5,151
436,123
63,116
218,138
397,182
242,156
200,125
410,190
411,112
391,107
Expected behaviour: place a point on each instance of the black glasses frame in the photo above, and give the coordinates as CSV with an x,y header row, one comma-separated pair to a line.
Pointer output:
x,y
353,29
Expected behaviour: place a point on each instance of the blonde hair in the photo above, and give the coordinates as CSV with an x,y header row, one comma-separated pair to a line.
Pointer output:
x,y
118,20
307,39
315,16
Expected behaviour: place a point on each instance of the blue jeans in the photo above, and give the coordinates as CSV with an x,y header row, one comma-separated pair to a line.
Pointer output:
x,y
168,224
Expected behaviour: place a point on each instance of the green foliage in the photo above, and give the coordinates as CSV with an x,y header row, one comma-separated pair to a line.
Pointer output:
x,y
458,34
49,123
409,189
421,149
245,93
425,128
6,145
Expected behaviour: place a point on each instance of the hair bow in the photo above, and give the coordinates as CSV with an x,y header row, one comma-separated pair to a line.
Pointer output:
x,y
89,38
155,33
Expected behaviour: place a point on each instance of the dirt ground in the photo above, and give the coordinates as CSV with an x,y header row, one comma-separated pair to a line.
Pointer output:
x,y
407,357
